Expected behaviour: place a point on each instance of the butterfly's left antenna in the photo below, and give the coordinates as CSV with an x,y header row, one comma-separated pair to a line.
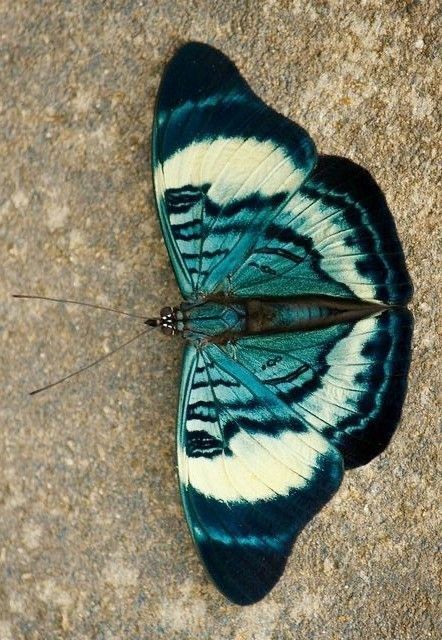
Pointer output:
x,y
83,304
151,322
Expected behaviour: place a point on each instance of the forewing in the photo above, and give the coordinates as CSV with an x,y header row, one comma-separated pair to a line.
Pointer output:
x,y
335,236
347,381
251,473
223,164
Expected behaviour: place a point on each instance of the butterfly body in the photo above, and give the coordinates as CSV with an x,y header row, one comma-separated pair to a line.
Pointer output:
x,y
297,336
220,320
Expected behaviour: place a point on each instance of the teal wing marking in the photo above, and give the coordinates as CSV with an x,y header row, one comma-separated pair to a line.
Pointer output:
x,y
347,381
222,160
252,474
335,236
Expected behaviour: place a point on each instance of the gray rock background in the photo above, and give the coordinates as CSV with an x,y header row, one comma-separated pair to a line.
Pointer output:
x,y
93,543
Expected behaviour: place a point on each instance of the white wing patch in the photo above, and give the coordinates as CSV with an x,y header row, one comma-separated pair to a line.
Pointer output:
x,y
250,464
346,361
323,224
260,467
234,167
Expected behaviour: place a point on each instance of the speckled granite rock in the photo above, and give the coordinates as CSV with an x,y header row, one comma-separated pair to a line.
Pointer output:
x,y
93,543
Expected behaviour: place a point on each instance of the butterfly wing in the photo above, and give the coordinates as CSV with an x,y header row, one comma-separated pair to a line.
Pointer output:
x,y
252,474
334,236
347,381
222,162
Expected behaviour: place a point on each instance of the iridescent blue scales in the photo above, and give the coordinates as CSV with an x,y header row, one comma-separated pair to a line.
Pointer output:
x,y
297,336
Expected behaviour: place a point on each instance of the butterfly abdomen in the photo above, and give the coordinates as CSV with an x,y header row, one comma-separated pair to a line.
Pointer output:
x,y
303,313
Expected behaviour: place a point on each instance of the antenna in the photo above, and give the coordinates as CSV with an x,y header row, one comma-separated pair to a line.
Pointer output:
x,y
91,364
83,304
150,322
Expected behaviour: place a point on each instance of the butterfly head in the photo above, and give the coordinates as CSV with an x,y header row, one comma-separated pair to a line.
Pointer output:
x,y
168,321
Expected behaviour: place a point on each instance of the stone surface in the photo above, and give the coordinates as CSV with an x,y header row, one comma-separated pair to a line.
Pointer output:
x,y
93,543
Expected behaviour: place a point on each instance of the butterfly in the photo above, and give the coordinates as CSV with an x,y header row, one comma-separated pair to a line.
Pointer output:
x,y
297,336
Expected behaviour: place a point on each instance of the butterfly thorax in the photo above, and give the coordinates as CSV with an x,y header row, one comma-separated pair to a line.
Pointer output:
x,y
223,319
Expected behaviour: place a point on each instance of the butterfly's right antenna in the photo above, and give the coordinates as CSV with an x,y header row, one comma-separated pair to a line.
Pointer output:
x,y
91,364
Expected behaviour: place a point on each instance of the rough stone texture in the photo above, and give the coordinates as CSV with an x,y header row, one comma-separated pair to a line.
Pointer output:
x,y
93,543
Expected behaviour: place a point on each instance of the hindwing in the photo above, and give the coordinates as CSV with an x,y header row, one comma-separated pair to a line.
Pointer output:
x,y
347,381
334,236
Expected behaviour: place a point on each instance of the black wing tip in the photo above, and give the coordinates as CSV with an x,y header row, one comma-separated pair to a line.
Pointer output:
x,y
246,572
193,71
340,181
201,53
196,48
359,452
241,587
